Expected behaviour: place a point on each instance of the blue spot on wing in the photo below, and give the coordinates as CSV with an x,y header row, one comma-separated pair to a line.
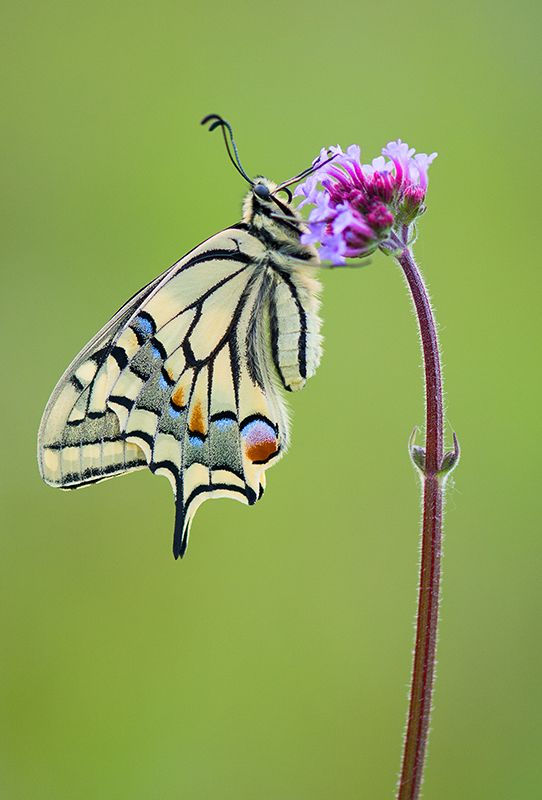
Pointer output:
x,y
224,423
144,325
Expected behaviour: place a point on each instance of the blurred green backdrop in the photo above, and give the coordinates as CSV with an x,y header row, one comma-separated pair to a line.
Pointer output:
x,y
274,661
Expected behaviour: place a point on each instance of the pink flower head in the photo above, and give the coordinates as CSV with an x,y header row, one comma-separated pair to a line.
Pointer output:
x,y
358,206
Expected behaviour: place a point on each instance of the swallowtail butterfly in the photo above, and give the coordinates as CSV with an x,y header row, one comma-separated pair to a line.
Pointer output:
x,y
187,378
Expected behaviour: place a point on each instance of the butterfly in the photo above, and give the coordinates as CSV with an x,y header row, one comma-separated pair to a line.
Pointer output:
x,y
187,378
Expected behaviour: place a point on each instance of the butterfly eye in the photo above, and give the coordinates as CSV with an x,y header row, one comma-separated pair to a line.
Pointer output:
x,y
262,191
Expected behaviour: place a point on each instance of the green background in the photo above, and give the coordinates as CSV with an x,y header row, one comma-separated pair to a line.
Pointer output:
x,y
273,662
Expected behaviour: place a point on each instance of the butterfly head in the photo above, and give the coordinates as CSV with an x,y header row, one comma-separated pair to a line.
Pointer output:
x,y
263,207
261,199
262,189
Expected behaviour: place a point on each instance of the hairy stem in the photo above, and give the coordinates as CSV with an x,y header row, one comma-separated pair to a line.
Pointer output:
x,y
431,462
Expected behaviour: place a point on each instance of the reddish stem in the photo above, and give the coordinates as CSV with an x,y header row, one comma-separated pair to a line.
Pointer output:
x,y
430,464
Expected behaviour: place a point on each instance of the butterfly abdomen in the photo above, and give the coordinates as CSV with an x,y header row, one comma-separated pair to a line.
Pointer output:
x,y
295,328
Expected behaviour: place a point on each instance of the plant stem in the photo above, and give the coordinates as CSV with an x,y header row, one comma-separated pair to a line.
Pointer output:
x,y
431,462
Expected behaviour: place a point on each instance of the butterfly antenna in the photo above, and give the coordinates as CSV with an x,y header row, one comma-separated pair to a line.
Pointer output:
x,y
306,172
219,122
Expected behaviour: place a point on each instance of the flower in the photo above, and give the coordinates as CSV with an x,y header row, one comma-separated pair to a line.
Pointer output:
x,y
358,207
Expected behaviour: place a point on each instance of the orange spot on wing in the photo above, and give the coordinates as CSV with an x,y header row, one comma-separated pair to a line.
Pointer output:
x,y
178,396
197,424
260,451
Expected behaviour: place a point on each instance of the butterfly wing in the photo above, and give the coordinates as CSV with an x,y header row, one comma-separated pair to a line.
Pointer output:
x,y
178,380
